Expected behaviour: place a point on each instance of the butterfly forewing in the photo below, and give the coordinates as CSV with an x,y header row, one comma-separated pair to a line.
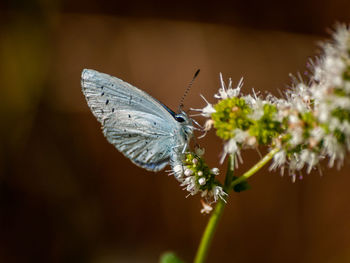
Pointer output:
x,y
134,122
106,94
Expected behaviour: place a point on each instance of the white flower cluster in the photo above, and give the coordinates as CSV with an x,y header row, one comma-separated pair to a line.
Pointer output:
x,y
311,123
330,90
196,177
324,102
239,138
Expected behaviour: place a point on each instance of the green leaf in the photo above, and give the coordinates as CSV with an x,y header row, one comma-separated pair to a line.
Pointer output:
x,y
243,186
170,257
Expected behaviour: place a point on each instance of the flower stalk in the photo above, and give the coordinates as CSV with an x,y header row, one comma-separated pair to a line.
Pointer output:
x,y
214,219
230,182
209,231
255,168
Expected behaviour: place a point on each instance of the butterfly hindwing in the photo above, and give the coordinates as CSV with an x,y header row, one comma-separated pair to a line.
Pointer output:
x,y
141,137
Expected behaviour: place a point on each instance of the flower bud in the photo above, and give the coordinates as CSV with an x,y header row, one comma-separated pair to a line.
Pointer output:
x,y
202,181
215,171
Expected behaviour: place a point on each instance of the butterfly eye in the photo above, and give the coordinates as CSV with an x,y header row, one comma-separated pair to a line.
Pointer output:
x,y
179,118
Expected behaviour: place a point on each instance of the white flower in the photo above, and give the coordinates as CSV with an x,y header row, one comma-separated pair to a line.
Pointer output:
x,y
333,67
251,141
317,134
309,157
293,119
178,171
250,100
190,185
297,136
202,181
333,149
207,111
218,192
222,91
234,92
240,136
206,208
229,93
279,159
258,109
208,124
230,147
215,171
188,172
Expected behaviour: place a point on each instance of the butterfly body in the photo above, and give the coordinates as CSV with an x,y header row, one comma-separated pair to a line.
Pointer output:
x,y
144,130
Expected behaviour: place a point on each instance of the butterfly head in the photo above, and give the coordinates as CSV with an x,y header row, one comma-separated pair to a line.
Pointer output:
x,y
181,117
185,122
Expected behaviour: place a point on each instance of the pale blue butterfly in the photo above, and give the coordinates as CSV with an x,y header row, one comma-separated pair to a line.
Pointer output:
x,y
143,129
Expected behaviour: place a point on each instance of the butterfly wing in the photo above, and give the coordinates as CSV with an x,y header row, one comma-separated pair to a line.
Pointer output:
x,y
135,123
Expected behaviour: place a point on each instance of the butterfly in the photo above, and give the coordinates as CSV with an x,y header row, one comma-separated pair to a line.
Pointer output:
x,y
146,131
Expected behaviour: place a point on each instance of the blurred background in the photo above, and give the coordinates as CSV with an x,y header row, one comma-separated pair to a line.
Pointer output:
x,y
66,195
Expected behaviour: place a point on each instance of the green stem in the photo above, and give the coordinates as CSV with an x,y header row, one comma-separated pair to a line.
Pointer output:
x,y
208,234
209,231
229,173
256,167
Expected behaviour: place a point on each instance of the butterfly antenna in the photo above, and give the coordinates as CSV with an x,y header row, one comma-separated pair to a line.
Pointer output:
x,y
188,89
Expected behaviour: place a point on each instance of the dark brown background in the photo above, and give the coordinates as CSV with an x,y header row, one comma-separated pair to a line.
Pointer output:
x,y
66,195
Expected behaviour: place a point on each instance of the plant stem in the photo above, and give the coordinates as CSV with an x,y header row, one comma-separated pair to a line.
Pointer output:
x,y
229,173
256,167
208,234
209,231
